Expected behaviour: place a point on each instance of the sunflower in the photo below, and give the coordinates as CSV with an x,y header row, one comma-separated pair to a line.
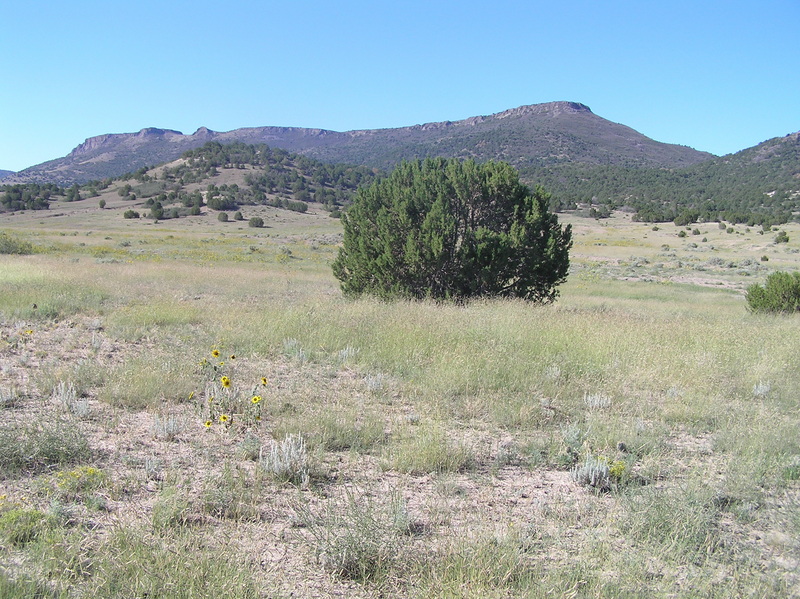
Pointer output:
x,y
264,381
233,356
215,353
226,381
207,424
256,399
224,418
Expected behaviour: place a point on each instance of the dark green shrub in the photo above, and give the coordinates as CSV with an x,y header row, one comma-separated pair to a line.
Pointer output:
x,y
780,293
445,229
238,216
681,233
256,222
782,237
222,217
131,214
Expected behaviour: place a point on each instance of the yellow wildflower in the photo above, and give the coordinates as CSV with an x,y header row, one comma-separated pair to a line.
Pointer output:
x,y
207,424
215,353
256,399
223,418
264,381
226,381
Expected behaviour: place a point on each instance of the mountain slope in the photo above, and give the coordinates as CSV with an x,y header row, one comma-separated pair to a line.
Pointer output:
x,y
528,136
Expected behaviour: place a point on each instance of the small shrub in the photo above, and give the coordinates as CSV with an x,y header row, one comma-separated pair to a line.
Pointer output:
x,y
238,215
681,233
20,526
780,293
13,245
65,394
222,217
75,484
782,237
102,204
765,258
168,426
593,472
287,460
256,222
131,214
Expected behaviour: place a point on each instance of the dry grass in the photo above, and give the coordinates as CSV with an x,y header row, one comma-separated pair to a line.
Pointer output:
x,y
436,437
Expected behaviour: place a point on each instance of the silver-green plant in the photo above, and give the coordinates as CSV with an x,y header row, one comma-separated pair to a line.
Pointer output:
x,y
286,460
592,472
66,394
761,390
168,426
597,401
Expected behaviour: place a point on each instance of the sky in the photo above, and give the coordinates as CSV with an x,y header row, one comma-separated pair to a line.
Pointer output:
x,y
718,76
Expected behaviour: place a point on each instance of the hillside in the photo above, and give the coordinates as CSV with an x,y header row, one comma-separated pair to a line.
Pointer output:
x,y
4,174
756,185
528,136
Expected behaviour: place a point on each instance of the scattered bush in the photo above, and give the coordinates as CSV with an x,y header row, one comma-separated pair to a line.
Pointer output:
x,y
780,293
12,245
238,215
782,237
222,217
131,214
256,222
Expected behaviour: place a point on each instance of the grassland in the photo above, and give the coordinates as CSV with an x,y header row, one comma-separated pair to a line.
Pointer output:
x,y
636,438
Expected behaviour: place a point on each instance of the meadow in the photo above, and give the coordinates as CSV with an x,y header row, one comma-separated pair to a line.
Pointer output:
x,y
190,408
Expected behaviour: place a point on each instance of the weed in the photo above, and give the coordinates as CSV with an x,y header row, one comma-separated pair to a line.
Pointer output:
x,y
358,540
9,398
78,483
287,460
293,349
597,401
230,493
20,526
34,446
66,395
429,451
170,509
761,390
168,426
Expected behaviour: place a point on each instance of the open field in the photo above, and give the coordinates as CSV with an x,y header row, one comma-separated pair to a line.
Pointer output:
x,y
639,437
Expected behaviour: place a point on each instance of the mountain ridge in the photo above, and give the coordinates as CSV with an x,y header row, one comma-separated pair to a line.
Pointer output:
x,y
528,135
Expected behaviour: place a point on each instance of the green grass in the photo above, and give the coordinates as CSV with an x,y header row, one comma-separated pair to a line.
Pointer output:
x,y
471,415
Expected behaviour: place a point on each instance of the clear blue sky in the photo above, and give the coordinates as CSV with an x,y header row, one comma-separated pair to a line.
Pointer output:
x,y
718,76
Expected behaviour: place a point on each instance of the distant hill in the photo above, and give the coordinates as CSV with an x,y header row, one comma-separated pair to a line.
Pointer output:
x,y
583,160
4,174
529,136
757,185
